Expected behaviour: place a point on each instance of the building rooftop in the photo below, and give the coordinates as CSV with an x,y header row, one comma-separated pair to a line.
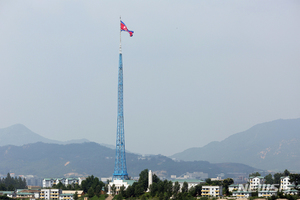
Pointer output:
x,y
188,181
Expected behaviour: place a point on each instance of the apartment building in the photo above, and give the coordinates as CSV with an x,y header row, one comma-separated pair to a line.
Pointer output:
x,y
215,191
235,187
285,183
49,182
79,192
267,193
190,182
255,181
241,194
50,194
118,184
66,196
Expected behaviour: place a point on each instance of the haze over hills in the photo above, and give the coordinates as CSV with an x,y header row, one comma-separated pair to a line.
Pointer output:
x,y
51,158
54,160
19,135
271,146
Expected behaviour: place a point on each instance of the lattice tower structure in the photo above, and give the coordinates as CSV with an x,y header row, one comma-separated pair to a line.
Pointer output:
x,y
120,172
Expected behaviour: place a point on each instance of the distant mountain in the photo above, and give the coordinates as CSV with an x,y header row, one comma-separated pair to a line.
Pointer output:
x,y
19,135
270,146
54,160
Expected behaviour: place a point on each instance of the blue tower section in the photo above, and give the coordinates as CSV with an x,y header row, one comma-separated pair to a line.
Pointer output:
x,y
120,171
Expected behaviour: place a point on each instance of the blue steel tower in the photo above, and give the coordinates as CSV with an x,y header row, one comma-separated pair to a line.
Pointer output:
x,y
120,171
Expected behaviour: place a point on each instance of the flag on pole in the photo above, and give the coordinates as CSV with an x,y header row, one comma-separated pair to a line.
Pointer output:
x,y
124,28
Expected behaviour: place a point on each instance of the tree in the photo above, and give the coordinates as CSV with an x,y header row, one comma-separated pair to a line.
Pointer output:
x,y
11,188
3,187
277,178
98,190
226,183
185,187
130,191
286,172
138,190
208,181
91,192
295,178
155,178
192,191
153,189
176,188
269,179
254,174
143,179
75,196
122,191
198,189
113,189
168,188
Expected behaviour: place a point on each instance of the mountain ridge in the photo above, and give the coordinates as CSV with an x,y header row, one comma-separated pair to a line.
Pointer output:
x,y
18,135
263,146
56,160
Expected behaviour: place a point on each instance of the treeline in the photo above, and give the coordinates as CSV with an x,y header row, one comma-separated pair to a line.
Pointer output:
x,y
275,179
164,189
91,185
11,183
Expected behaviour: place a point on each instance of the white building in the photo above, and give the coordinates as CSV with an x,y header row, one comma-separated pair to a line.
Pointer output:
x,y
190,182
66,196
267,193
215,191
241,194
48,182
285,183
235,187
10,194
118,184
291,192
256,181
50,194
79,192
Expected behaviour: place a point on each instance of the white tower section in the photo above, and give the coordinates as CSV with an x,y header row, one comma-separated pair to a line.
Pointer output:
x,y
149,178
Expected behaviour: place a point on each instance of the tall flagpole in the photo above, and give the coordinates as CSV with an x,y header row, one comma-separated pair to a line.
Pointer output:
x,y
120,171
120,38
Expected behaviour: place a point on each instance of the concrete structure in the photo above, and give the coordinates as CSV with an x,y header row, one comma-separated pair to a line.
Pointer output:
x,y
50,194
190,182
194,175
291,192
241,194
266,193
285,183
49,182
118,184
149,179
255,181
10,194
214,191
27,193
79,192
235,187
66,196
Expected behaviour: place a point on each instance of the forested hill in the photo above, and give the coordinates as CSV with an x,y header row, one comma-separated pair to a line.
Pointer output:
x,y
269,146
54,160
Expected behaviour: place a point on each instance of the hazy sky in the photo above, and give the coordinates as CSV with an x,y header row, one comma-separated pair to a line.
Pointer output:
x,y
194,71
